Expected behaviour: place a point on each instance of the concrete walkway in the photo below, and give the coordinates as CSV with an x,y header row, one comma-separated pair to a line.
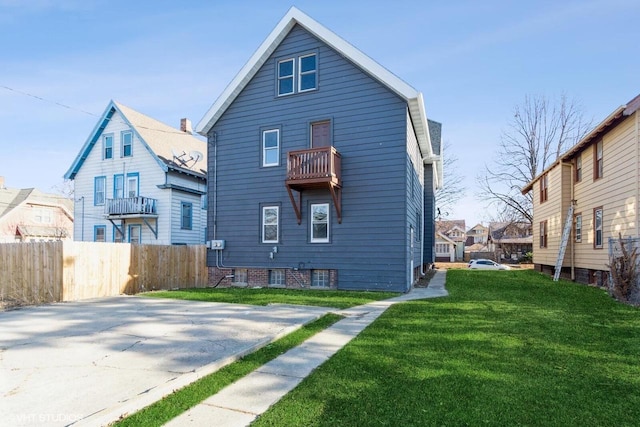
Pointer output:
x,y
243,401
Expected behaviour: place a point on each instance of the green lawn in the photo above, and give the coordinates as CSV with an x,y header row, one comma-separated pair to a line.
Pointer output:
x,y
505,348
264,296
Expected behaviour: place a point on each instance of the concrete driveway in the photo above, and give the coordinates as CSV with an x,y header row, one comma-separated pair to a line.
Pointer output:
x,y
86,363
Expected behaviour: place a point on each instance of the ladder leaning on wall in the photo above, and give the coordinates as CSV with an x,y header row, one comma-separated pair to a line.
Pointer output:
x,y
563,243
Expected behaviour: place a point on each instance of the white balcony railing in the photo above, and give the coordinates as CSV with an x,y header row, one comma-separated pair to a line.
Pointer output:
x,y
131,206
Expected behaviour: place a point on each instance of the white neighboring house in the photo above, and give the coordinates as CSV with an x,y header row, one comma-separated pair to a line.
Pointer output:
x,y
138,180
445,248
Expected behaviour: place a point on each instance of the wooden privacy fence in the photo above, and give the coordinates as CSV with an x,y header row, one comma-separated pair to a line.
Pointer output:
x,y
33,273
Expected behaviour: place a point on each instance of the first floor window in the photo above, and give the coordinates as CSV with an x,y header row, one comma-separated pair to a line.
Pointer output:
x,y
240,275
320,278
186,217
442,248
277,277
543,234
320,223
135,234
597,228
578,230
100,183
270,221
99,233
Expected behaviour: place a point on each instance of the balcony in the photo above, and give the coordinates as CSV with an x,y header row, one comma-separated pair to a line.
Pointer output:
x,y
131,207
315,168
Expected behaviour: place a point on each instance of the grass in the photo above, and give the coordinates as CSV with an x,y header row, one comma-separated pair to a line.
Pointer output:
x,y
264,296
176,403
505,348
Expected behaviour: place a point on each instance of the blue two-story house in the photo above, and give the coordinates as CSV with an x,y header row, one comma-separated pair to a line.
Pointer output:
x,y
322,169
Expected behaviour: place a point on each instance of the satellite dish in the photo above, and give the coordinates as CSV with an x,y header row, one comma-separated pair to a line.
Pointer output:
x,y
196,156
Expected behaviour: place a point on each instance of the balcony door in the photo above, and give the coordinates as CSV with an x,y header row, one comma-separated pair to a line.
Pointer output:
x,y
321,134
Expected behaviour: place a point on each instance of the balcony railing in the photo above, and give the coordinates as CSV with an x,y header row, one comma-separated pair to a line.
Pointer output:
x,y
131,206
314,165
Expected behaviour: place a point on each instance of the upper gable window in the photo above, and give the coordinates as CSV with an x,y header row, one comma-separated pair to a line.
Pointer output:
x,y
285,76
308,72
544,188
107,146
297,75
127,143
598,162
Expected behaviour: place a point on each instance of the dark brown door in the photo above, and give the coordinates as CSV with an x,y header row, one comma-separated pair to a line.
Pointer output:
x,y
321,134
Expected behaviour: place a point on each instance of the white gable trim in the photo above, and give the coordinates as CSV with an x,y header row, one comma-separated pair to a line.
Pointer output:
x,y
295,16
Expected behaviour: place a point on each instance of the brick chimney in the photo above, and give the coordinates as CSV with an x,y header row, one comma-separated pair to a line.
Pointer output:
x,y
185,126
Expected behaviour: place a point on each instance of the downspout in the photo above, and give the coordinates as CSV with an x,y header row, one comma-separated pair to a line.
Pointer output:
x,y
573,202
422,242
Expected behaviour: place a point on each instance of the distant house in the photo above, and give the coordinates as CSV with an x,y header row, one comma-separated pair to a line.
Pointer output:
x,y
324,168
454,230
445,248
138,180
598,180
510,240
29,215
477,234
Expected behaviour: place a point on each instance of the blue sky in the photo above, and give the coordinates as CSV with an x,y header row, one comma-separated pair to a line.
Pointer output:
x,y
473,61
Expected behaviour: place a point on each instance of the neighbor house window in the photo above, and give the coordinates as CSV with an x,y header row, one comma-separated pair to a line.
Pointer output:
x,y
186,217
107,140
544,188
578,228
133,184
442,248
543,234
270,220
271,147
320,278
99,233
135,234
285,76
320,223
579,168
99,185
597,228
276,277
307,73
117,235
598,162
118,186
240,275
126,137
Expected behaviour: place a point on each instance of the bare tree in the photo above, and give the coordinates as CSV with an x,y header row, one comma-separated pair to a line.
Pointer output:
x,y
539,132
452,190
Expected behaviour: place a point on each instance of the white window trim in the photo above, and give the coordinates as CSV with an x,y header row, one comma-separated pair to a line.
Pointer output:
x,y
291,76
328,221
264,148
277,224
301,73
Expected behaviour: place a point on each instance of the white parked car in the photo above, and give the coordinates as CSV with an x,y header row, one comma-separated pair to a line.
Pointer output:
x,y
486,264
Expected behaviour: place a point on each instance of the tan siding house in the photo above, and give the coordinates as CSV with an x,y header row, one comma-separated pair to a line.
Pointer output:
x,y
600,175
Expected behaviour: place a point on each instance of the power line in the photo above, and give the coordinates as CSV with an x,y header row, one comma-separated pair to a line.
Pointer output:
x,y
39,98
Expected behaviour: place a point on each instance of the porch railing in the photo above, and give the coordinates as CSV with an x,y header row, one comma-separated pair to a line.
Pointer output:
x,y
131,205
323,162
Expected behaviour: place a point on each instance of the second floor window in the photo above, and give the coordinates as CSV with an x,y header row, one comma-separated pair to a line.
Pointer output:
x,y
271,147
187,216
598,161
127,144
544,188
108,146
578,229
579,168
133,185
118,186
100,183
